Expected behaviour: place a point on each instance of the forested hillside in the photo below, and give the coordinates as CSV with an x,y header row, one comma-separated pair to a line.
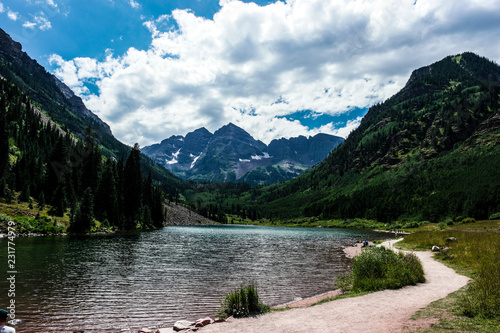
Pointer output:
x,y
40,163
63,107
428,153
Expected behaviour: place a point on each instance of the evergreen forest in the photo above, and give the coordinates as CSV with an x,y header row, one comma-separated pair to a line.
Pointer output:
x,y
43,163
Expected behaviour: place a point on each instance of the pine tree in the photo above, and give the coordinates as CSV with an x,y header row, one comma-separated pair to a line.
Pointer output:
x,y
106,203
4,143
59,202
57,166
132,188
83,216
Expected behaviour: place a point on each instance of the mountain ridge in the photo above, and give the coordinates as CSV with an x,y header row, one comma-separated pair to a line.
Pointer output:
x,y
58,103
427,153
232,154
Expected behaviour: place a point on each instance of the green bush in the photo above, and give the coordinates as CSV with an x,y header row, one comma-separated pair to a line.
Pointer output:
x,y
242,302
468,220
378,268
39,225
495,216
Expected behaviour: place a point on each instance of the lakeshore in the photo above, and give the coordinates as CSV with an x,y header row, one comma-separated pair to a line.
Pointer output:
x,y
383,311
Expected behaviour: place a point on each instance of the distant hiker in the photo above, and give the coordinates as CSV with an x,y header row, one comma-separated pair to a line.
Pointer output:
x,y
3,320
365,243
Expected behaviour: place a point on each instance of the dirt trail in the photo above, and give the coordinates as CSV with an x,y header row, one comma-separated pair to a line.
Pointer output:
x,y
384,311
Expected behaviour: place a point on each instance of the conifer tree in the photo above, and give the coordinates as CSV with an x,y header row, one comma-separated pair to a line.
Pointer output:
x,y
4,142
132,188
83,216
106,197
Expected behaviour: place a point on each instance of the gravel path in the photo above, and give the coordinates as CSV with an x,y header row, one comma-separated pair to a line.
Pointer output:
x,y
383,311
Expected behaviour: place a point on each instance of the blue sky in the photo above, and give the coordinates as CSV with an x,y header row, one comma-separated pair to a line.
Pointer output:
x,y
152,69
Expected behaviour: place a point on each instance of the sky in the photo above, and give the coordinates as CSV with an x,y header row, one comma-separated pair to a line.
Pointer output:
x,y
156,68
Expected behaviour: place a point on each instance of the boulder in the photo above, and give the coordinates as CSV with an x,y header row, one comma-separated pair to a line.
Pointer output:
x,y
435,248
451,239
183,325
145,330
204,322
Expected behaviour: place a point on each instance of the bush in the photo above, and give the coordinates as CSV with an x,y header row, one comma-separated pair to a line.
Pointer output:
x,y
495,216
242,302
468,220
378,268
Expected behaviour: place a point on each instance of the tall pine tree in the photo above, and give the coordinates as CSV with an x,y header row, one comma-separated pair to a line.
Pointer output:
x,y
132,188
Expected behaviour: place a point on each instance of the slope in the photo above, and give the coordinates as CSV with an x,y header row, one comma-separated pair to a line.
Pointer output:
x,y
66,109
428,153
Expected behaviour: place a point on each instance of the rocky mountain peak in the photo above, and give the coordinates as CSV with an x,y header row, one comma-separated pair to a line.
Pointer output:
x,y
231,153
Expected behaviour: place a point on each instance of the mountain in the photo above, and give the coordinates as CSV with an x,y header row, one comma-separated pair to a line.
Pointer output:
x,y
57,103
231,154
430,152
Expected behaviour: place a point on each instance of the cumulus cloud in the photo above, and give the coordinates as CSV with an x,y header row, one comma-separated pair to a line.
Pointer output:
x,y
253,64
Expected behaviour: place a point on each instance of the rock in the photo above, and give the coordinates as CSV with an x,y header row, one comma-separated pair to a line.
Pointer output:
x,y
183,325
145,330
219,320
204,322
451,239
435,248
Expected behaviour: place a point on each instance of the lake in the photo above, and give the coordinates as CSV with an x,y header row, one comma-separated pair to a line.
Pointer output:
x,y
121,282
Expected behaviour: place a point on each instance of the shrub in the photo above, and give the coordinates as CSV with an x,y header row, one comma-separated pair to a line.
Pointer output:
x,y
378,268
242,302
495,216
468,220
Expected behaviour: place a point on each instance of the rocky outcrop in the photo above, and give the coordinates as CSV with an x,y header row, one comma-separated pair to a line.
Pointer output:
x,y
180,215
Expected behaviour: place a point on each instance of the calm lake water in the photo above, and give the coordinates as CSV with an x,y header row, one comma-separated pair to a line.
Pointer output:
x,y
119,283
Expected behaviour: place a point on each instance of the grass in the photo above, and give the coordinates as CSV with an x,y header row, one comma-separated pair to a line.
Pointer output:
x,y
449,320
473,251
31,219
242,302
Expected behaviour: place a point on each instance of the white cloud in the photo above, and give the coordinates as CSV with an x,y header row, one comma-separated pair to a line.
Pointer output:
x,y
29,25
12,15
2,8
251,64
51,3
134,4
40,22
43,23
